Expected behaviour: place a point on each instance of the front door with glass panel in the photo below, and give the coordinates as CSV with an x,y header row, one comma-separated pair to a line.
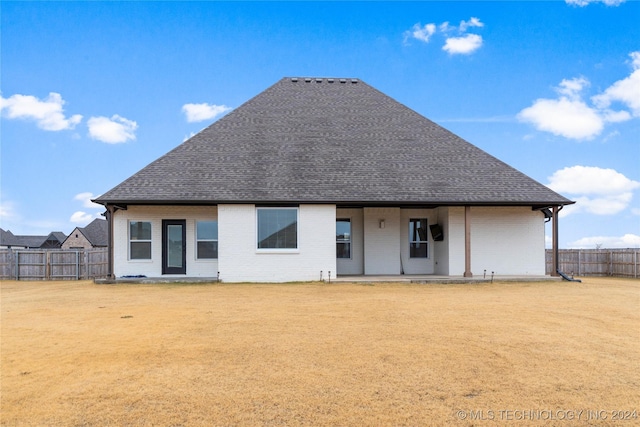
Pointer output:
x,y
174,246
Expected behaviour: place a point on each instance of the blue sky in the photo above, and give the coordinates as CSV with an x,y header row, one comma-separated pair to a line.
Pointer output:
x,y
94,91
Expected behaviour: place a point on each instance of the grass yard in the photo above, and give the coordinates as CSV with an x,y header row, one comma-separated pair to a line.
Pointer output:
x,y
80,354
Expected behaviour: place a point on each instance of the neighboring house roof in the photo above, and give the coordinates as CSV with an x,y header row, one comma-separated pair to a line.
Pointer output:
x,y
96,232
59,235
329,141
53,240
7,238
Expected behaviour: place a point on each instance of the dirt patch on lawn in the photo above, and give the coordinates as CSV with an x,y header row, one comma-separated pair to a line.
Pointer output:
x,y
76,353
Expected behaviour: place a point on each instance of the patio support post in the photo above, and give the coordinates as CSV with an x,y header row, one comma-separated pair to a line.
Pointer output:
x,y
109,214
554,243
467,242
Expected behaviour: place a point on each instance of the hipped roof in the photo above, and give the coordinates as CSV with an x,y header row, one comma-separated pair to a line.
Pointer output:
x,y
329,141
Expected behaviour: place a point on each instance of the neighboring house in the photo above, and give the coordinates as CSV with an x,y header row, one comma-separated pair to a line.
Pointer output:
x,y
318,176
52,241
94,235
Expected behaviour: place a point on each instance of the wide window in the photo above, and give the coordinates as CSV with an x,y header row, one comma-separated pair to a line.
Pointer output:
x,y
139,240
277,228
206,239
343,238
418,238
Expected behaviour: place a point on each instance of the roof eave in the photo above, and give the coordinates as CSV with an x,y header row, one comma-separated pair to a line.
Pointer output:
x,y
360,203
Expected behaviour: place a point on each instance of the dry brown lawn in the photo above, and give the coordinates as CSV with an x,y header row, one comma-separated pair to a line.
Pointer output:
x,y
80,354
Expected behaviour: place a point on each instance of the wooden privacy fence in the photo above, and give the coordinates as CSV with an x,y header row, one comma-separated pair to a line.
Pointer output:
x,y
597,262
92,263
53,264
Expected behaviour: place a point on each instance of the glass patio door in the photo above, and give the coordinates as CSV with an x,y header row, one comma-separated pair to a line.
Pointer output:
x,y
174,249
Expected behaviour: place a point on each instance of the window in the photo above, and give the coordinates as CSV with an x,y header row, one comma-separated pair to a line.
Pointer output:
x,y
207,239
139,240
277,228
418,238
343,238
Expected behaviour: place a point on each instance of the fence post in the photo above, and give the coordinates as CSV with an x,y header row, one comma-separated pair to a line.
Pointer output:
x,y
47,265
610,263
85,253
579,256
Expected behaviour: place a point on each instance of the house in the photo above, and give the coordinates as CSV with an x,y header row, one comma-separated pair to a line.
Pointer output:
x,y
318,176
51,241
94,235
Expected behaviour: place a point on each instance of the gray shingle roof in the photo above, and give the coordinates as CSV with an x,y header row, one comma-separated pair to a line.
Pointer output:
x,y
96,232
329,140
7,238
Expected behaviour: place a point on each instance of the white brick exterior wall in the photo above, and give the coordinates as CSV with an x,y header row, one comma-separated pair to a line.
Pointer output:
x,y
155,214
240,261
455,239
441,250
381,245
506,240
511,241
354,265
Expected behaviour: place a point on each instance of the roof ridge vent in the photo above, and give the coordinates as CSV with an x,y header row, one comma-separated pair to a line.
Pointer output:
x,y
318,80
354,80
307,79
294,79
343,80
330,80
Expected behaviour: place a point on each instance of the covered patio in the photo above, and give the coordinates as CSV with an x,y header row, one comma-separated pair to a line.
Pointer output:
x,y
363,279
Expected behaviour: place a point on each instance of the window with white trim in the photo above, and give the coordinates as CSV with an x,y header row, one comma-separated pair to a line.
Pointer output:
x,y
277,228
206,239
343,238
139,240
418,238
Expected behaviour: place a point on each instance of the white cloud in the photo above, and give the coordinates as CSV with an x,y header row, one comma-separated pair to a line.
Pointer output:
x,y
625,91
626,241
48,113
7,210
590,180
204,111
596,190
473,22
419,32
571,117
564,117
571,88
112,130
83,218
611,135
445,27
635,59
615,116
583,3
463,45
605,205
191,135
85,198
